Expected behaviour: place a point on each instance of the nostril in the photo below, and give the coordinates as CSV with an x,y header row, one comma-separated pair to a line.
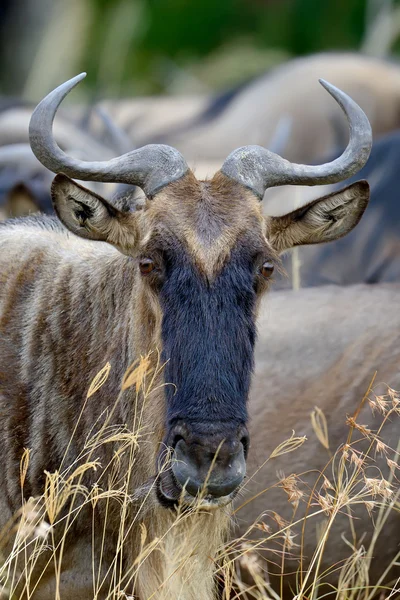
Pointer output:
x,y
177,438
245,443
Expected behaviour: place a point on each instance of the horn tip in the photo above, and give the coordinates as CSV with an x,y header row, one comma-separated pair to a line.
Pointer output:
x,y
74,80
326,84
332,89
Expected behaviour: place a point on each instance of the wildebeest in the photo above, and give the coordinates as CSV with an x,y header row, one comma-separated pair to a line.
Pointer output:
x,y
184,275
321,347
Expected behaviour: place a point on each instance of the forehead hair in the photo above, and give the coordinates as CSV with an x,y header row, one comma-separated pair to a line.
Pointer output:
x,y
208,218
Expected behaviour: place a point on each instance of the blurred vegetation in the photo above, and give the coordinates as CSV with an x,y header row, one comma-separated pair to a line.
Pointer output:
x,y
135,47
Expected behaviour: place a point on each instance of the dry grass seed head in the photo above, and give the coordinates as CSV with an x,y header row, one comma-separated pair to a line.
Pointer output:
x,y
279,520
23,466
394,396
290,485
369,505
320,426
136,373
379,404
327,503
380,447
378,487
393,465
361,428
289,445
289,536
326,485
357,458
58,490
99,380
263,527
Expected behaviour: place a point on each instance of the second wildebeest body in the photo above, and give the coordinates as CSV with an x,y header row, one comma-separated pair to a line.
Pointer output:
x,y
251,115
374,255
320,347
184,276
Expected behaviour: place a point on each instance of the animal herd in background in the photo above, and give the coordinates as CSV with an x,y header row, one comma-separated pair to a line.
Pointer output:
x,y
357,325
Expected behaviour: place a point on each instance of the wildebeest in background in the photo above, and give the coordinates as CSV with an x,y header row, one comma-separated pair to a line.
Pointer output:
x,y
250,115
183,275
321,347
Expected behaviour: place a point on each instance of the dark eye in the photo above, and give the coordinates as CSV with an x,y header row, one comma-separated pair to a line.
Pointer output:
x,y
146,266
267,269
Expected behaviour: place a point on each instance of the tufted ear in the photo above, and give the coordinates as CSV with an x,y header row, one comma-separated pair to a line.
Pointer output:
x,y
322,220
91,217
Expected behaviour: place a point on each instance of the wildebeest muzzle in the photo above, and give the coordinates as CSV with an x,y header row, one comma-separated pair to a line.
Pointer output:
x,y
203,463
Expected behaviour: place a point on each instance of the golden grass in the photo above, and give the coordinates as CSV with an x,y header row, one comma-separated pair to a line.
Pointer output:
x,y
345,484
38,532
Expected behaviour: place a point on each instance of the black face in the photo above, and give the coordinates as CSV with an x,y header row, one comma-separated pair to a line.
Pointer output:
x,y
208,336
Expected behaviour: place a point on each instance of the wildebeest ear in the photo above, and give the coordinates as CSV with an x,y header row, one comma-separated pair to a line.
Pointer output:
x,y
91,217
322,220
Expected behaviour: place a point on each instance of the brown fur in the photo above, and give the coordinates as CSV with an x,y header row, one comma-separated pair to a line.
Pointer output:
x,y
208,217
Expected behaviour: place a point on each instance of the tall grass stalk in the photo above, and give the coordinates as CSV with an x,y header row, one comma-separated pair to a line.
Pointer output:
x,y
42,526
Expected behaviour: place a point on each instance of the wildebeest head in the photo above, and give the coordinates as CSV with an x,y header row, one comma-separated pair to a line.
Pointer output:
x,y
204,254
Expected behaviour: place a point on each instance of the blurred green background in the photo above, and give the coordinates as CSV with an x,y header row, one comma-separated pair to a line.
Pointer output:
x,y
136,47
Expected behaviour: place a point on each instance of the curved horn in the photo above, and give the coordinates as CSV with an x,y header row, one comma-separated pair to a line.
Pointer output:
x,y
258,169
151,167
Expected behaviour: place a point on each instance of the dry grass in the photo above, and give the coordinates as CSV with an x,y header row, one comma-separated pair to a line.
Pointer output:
x,y
38,532
350,480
